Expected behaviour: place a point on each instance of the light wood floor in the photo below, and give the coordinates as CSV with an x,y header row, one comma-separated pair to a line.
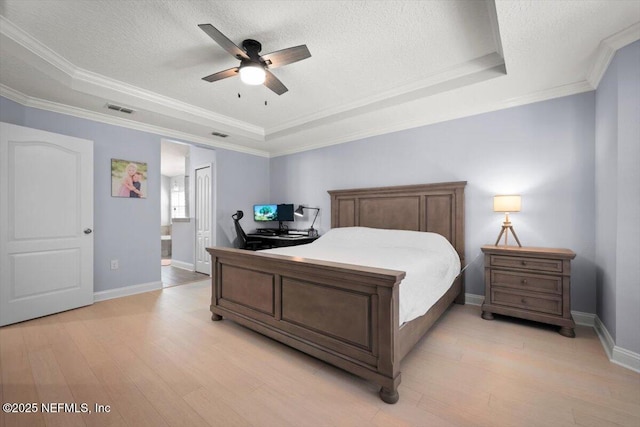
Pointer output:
x,y
157,359
173,276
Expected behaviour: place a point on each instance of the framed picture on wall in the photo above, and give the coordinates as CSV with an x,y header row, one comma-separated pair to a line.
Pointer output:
x,y
128,179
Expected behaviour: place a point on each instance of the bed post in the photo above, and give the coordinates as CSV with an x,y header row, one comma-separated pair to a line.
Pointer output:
x,y
389,354
215,279
458,242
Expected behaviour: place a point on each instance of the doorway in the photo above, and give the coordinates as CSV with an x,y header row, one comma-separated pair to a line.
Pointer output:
x,y
189,211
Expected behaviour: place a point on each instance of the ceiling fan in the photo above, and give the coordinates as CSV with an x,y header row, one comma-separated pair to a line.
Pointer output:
x,y
254,68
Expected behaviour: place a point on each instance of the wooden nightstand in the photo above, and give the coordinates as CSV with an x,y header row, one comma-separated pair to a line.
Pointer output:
x,y
530,283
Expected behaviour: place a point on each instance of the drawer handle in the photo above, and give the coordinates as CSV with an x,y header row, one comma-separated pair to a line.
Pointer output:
x,y
524,281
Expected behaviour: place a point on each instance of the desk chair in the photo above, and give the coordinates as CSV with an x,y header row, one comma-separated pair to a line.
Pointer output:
x,y
243,241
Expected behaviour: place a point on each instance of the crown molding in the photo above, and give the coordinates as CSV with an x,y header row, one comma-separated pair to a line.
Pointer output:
x,y
85,81
544,95
13,95
490,62
561,91
557,92
82,78
55,107
495,27
15,33
606,51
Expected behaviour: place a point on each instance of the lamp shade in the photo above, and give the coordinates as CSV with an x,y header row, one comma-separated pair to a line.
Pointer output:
x,y
252,74
299,211
510,203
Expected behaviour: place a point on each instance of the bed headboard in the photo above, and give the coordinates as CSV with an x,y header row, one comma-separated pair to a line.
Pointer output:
x,y
438,208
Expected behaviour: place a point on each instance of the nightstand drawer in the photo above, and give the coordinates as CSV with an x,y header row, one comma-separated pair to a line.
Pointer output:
x,y
527,282
538,264
527,301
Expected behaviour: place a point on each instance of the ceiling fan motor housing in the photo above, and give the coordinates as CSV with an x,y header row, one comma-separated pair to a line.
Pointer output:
x,y
253,48
252,69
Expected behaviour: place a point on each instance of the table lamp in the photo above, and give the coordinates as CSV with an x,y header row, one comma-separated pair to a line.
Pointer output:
x,y
506,204
300,212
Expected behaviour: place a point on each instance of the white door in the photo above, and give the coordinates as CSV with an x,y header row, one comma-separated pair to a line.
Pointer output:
x,y
46,222
203,219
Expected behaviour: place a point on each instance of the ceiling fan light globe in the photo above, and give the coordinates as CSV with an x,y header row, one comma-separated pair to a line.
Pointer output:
x,y
252,75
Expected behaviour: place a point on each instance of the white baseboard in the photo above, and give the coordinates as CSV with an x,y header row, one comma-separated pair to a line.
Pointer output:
x,y
473,299
605,337
183,265
584,319
618,355
126,291
626,358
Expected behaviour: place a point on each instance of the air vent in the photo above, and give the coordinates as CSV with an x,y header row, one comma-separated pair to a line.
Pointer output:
x,y
119,108
221,135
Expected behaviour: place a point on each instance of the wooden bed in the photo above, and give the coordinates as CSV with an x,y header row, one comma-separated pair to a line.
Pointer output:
x,y
346,315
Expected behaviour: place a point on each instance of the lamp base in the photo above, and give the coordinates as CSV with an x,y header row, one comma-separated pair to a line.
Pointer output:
x,y
506,227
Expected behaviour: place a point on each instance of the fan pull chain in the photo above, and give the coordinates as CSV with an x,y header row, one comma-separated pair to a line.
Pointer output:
x,y
265,102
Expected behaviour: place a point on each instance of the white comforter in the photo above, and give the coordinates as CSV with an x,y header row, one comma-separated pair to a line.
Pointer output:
x,y
430,262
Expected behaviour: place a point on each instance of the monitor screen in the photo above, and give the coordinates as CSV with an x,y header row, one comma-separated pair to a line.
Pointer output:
x,y
285,212
265,212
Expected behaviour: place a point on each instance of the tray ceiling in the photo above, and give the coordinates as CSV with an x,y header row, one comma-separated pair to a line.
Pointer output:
x,y
376,67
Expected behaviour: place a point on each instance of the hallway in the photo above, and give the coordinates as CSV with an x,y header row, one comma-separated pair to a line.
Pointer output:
x,y
173,276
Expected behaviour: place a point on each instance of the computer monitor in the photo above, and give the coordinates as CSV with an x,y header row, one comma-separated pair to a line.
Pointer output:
x,y
285,212
270,212
263,213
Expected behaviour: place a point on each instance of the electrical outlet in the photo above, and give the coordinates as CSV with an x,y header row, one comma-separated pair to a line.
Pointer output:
x,y
114,264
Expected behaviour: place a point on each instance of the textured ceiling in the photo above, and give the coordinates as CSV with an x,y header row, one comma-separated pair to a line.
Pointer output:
x,y
376,66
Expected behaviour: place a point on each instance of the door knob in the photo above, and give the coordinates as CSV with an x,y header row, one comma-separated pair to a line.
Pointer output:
x,y
88,231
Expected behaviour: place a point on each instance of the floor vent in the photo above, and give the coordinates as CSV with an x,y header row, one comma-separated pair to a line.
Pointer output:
x,y
221,135
119,108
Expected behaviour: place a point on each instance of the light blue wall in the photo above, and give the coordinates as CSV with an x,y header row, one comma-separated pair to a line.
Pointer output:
x,y
183,243
125,229
10,112
617,192
606,195
628,248
543,151
246,182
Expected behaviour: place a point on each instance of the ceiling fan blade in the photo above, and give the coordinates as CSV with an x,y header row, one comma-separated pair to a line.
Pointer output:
x,y
222,75
286,56
274,84
223,41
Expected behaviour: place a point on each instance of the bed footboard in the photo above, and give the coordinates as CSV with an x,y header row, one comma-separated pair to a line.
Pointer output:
x,y
343,314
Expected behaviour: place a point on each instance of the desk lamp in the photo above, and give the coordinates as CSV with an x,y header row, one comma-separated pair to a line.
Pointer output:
x,y
300,212
507,204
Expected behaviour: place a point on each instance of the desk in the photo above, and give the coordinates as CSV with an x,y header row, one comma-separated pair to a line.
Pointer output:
x,y
282,239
